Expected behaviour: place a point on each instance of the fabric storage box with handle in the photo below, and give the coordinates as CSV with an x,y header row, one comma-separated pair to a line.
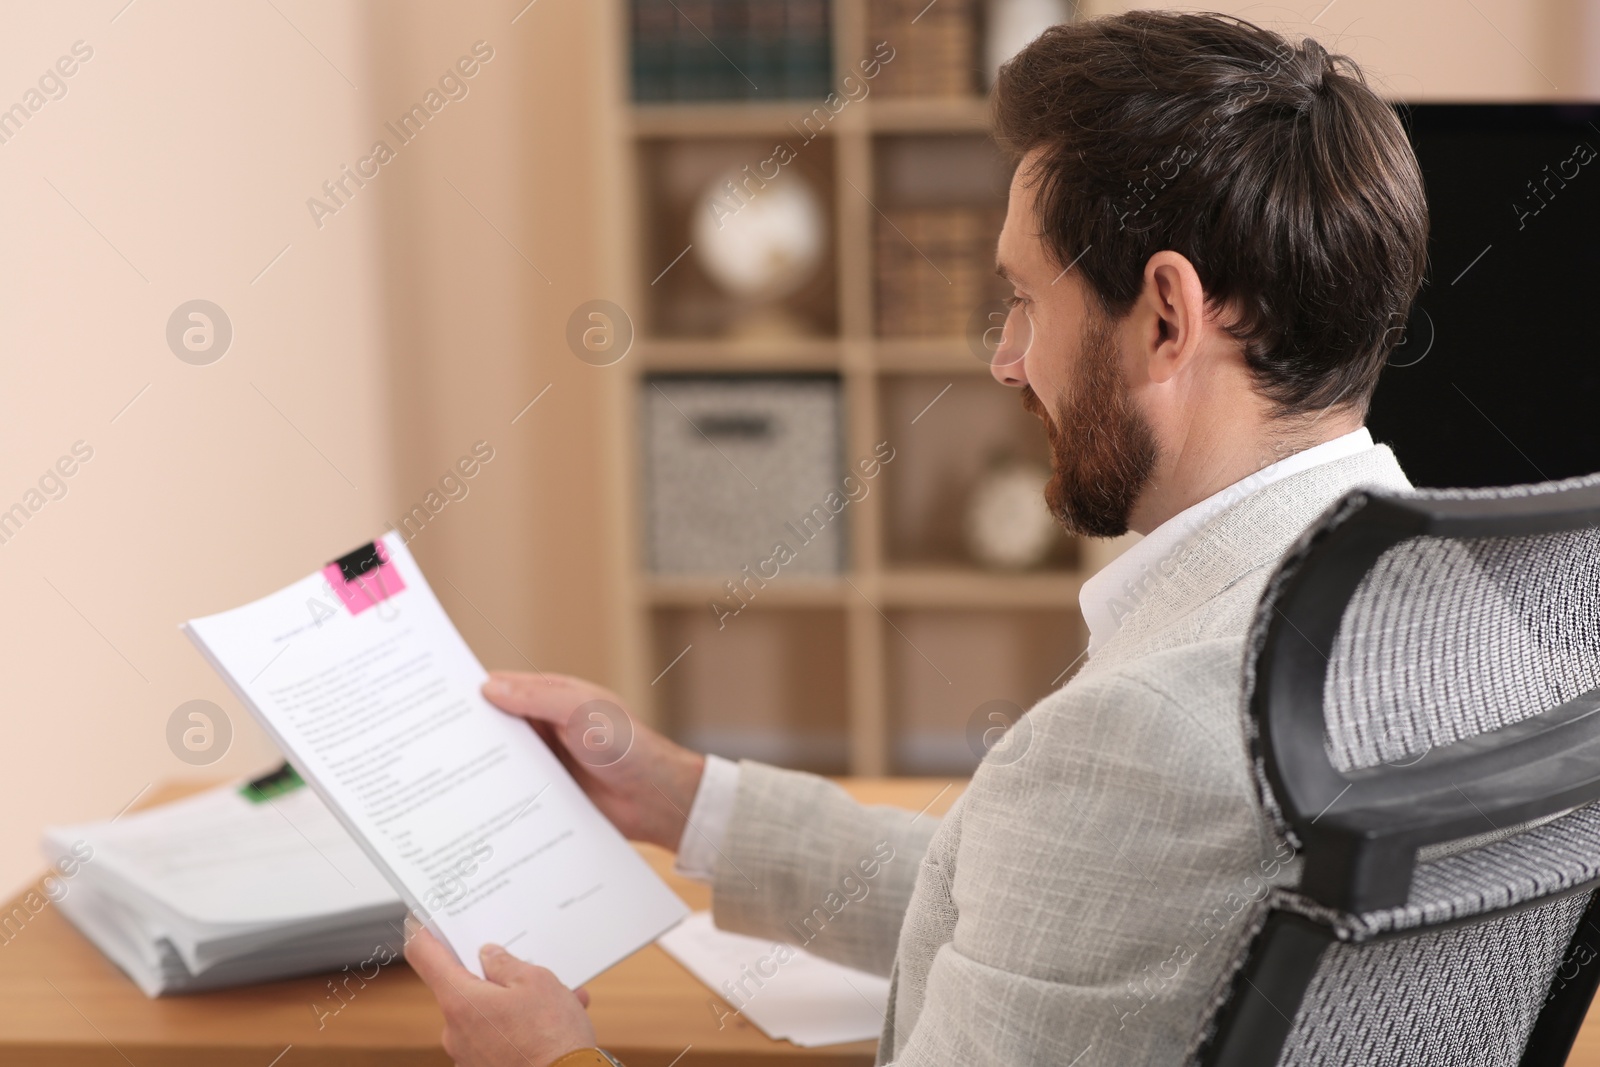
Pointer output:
x,y
735,465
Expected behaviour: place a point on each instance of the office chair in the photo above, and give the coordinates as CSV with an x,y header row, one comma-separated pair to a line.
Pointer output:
x,y
1422,704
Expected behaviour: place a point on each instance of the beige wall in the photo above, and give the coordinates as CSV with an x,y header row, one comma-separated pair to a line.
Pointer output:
x,y
489,243
390,339
189,143
1440,49
377,349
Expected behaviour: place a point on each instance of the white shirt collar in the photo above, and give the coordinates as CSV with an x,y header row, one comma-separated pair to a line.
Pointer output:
x,y
1117,589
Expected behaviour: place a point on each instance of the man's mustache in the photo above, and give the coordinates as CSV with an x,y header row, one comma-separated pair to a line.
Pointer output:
x,y
1034,406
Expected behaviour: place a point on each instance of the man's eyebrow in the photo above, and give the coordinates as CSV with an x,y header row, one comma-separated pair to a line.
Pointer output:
x,y
1004,271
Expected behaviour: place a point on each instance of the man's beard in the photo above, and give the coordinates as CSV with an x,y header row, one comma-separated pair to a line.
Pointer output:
x,y
1102,451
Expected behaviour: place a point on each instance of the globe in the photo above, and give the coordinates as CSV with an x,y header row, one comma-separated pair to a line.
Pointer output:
x,y
759,244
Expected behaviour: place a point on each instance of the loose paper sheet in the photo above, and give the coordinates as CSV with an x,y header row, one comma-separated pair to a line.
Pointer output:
x,y
463,808
787,992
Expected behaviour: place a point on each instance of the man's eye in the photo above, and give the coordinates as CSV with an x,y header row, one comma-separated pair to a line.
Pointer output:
x,y
1013,301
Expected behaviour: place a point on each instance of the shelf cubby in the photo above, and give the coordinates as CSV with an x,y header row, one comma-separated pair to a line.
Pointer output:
x,y
768,684
948,670
946,431
682,301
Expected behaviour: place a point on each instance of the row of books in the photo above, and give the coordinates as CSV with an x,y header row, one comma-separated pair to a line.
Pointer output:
x,y
935,269
935,46
731,49
781,49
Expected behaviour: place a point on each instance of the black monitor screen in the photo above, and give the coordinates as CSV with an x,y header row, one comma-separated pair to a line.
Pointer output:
x,y
1497,380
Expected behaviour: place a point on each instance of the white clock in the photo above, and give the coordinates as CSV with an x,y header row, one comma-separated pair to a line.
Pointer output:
x,y
1008,524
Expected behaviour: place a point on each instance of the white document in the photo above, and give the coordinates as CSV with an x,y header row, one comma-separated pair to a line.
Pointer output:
x,y
374,698
785,991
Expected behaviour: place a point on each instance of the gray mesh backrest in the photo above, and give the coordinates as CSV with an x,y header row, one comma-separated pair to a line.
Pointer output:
x,y
1443,640
1463,995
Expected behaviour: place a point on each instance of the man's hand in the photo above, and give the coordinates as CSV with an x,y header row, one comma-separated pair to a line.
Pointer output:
x,y
643,783
520,1017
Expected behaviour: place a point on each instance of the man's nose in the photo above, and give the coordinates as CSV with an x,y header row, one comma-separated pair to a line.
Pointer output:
x,y
1014,336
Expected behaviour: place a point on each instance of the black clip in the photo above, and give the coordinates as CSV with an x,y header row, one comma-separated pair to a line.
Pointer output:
x,y
360,561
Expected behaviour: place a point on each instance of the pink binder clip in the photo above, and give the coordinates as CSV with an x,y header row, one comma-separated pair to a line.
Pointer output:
x,y
364,578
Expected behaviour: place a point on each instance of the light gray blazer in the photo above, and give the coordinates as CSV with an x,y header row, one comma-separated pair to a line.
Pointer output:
x,y
1067,909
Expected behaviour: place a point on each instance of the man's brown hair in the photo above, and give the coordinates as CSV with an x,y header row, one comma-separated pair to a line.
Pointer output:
x,y
1271,167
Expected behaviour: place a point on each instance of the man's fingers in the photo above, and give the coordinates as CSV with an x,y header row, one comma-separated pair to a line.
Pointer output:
x,y
437,966
530,696
583,996
502,968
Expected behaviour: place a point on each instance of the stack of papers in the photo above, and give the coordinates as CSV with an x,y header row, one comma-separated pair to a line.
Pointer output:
x,y
789,994
231,886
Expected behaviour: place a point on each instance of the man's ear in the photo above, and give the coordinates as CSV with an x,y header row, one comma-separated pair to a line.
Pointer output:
x,y
1175,311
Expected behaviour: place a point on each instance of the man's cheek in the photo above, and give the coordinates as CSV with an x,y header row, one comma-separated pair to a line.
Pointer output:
x,y
1021,328
1055,359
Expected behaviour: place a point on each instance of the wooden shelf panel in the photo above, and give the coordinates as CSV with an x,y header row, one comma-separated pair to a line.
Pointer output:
x,y
941,355
895,588
959,587
742,119
875,114
713,354
721,354
928,115
781,592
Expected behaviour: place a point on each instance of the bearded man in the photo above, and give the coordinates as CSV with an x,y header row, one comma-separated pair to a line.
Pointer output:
x,y
1213,237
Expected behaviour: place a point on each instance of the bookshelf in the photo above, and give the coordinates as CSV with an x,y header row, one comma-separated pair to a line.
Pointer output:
x,y
882,668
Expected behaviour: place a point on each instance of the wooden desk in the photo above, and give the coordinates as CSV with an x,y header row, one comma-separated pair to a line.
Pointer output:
x,y
63,1004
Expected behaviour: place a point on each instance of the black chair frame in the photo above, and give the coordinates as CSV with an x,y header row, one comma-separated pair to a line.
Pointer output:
x,y
1359,831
